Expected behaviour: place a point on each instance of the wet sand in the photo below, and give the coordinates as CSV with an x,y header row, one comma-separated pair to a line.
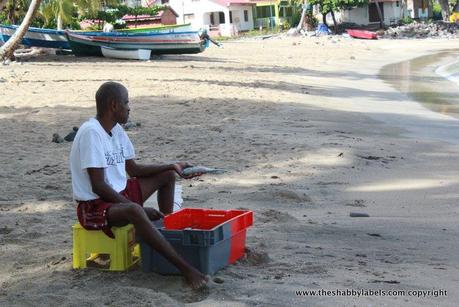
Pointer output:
x,y
308,134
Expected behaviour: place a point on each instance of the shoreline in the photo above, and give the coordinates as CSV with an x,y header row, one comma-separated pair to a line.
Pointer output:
x,y
418,78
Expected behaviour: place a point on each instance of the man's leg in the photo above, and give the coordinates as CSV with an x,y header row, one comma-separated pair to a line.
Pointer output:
x,y
120,214
164,183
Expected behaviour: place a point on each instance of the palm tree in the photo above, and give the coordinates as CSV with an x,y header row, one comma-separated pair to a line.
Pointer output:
x,y
15,9
7,50
61,11
57,10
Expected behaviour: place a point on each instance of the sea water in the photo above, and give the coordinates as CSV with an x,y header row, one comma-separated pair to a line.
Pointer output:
x,y
450,71
432,80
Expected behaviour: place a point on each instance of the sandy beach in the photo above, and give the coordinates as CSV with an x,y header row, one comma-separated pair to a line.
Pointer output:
x,y
308,132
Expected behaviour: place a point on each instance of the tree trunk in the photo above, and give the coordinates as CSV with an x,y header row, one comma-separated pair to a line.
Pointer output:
x,y
444,9
60,23
11,12
2,4
381,18
7,50
402,8
303,15
324,19
334,21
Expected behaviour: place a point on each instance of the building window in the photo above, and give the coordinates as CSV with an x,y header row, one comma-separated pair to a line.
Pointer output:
x,y
246,15
221,16
212,20
397,3
188,17
231,17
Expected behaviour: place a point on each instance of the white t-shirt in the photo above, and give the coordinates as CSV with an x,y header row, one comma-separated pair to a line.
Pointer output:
x,y
94,147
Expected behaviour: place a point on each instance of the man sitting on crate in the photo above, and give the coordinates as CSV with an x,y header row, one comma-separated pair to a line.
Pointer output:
x,y
101,156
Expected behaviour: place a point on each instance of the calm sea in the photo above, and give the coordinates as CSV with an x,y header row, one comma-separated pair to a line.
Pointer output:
x,y
432,80
450,71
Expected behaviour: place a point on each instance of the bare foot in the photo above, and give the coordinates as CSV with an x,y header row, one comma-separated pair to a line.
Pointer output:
x,y
195,279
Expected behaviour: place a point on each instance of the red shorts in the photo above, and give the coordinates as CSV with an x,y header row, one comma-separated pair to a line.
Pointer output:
x,y
92,214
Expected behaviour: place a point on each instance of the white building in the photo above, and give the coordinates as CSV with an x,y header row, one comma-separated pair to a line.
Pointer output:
x,y
219,17
391,11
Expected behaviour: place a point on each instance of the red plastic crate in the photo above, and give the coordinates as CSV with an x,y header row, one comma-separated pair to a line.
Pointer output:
x,y
207,239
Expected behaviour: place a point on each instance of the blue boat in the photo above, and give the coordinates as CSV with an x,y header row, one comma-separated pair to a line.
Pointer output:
x,y
37,37
50,38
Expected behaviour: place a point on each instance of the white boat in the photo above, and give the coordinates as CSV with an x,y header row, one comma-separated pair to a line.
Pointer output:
x,y
128,54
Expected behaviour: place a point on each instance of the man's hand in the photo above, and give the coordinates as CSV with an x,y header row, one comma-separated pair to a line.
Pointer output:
x,y
180,166
154,214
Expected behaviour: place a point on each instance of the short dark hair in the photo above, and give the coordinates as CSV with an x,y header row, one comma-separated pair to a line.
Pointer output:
x,y
108,92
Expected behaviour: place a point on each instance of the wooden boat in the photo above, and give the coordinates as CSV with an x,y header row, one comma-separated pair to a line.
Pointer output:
x,y
158,43
138,54
362,34
163,29
50,38
37,37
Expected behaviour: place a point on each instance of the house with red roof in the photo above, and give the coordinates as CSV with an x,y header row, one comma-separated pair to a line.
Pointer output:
x,y
219,17
167,16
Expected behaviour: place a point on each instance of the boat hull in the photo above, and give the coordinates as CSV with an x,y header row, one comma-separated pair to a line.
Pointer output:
x,y
36,37
362,34
140,54
158,43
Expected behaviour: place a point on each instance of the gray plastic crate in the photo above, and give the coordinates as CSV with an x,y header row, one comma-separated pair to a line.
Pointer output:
x,y
207,251
207,239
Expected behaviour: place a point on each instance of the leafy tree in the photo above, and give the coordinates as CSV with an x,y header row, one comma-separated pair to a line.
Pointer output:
x,y
116,12
57,12
331,6
7,50
15,10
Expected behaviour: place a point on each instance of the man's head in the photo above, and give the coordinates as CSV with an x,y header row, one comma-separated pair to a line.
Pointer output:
x,y
112,100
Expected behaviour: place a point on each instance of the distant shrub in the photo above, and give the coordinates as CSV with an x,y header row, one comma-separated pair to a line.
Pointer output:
x,y
406,20
312,20
286,25
436,11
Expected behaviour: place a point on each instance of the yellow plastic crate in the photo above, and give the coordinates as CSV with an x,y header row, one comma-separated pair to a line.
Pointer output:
x,y
123,251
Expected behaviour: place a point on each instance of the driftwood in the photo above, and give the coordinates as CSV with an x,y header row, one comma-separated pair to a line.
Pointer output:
x,y
28,53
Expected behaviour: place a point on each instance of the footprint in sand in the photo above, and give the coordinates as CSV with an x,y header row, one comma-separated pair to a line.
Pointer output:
x,y
290,195
275,216
255,256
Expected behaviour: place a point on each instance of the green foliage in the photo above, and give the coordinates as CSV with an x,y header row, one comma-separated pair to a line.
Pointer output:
x,y
286,25
333,5
406,20
436,11
15,10
112,14
4,18
312,20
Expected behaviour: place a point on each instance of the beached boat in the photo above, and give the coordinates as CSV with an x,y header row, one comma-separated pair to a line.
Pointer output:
x,y
166,28
137,54
49,38
37,37
158,43
362,34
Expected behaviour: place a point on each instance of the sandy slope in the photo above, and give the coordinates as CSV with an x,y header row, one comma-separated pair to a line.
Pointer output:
x,y
308,133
